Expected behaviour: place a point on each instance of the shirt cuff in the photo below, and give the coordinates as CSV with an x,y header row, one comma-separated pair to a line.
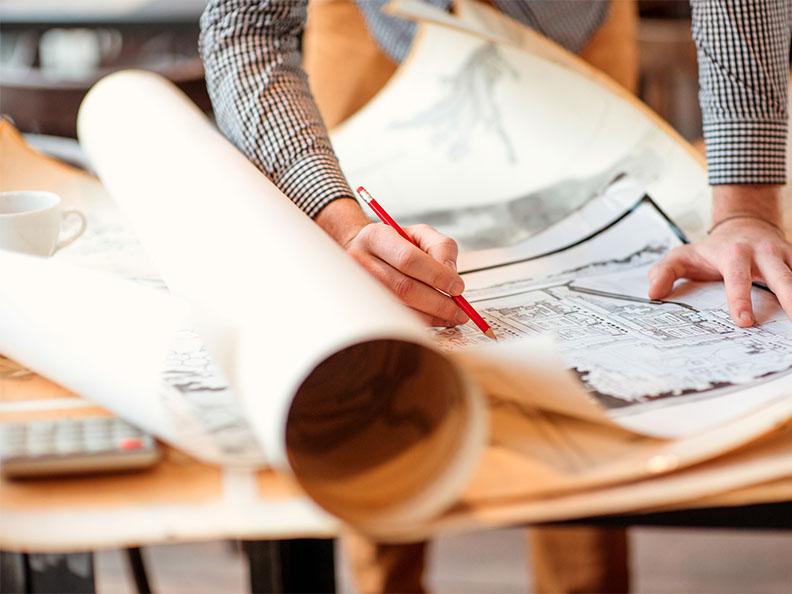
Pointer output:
x,y
313,182
746,152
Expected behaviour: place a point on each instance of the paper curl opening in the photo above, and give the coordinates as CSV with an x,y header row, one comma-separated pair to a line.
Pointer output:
x,y
385,431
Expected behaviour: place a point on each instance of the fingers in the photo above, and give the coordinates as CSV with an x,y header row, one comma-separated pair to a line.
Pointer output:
x,y
737,279
661,279
433,321
677,264
443,249
413,262
411,273
774,269
437,309
738,262
735,270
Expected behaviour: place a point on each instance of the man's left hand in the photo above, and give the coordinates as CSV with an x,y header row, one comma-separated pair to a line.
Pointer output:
x,y
746,244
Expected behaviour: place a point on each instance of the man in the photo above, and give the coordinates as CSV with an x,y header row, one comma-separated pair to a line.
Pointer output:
x,y
263,104
743,51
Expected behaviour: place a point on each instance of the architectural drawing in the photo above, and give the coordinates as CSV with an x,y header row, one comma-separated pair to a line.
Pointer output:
x,y
631,352
206,401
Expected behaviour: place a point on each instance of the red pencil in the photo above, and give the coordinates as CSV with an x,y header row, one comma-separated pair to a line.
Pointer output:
x,y
460,301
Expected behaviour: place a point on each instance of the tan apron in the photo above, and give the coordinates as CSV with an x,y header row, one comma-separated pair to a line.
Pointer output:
x,y
346,68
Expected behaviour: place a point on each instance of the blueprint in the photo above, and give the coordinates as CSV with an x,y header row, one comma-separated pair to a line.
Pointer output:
x,y
641,359
197,393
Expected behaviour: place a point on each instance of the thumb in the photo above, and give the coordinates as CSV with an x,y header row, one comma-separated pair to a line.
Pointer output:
x,y
665,273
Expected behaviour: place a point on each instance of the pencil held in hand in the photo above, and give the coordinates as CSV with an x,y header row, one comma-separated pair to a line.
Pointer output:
x,y
460,301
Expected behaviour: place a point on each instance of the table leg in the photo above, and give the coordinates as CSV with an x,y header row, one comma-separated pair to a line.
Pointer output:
x,y
291,566
12,573
39,573
138,569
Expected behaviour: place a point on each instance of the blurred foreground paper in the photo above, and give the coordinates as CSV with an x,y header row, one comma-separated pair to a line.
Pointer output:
x,y
338,380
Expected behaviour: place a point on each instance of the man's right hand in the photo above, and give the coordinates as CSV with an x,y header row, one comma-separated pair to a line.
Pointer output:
x,y
414,274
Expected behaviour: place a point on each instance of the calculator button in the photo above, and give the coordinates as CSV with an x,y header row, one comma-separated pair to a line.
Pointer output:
x,y
41,430
41,447
10,450
123,432
96,443
68,428
130,443
13,433
96,432
67,445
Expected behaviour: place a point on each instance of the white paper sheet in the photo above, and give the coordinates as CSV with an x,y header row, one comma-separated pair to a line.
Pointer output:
x,y
101,337
275,298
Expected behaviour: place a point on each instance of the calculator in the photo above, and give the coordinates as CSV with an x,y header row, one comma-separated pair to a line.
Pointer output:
x,y
71,446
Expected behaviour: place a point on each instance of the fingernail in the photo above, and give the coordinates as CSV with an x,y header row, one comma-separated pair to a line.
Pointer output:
x,y
451,264
461,317
456,288
747,317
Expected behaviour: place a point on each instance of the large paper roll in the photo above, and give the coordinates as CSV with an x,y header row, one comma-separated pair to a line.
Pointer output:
x,y
340,381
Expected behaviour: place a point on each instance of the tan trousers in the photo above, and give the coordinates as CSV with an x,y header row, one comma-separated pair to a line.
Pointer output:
x,y
346,69
563,559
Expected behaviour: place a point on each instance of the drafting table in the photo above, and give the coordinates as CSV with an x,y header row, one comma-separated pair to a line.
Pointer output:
x,y
181,501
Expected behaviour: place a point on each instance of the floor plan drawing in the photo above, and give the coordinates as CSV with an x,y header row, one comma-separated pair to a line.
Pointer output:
x,y
631,352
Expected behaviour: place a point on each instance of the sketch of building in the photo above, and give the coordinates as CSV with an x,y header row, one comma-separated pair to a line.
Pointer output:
x,y
627,349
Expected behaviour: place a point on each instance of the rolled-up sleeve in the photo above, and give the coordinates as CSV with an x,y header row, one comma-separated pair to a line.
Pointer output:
x,y
261,99
743,55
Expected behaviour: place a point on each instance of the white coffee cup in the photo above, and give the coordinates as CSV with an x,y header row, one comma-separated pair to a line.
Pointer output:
x,y
30,222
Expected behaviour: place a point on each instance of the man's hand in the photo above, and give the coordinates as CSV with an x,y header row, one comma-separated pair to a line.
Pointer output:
x,y
749,247
413,274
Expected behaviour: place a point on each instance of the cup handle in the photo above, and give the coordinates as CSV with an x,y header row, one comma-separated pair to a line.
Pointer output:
x,y
67,212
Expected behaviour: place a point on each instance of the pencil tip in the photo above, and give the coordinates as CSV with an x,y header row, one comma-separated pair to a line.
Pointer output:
x,y
491,334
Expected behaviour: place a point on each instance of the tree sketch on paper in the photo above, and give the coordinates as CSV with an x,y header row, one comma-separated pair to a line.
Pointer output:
x,y
468,105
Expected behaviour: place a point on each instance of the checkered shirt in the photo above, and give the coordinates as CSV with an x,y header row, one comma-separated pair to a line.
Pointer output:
x,y
262,101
